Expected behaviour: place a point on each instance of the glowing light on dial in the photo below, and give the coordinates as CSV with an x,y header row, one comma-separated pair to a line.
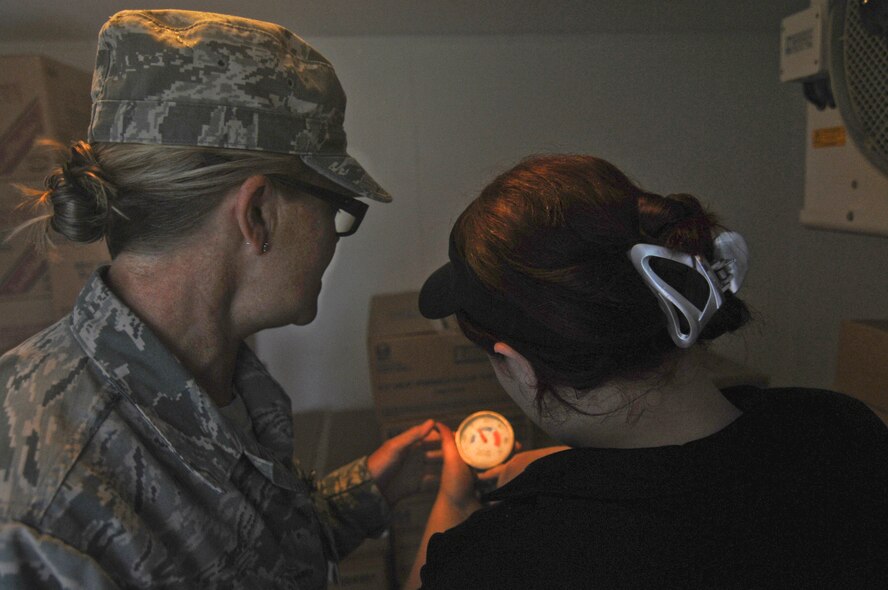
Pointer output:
x,y
485,439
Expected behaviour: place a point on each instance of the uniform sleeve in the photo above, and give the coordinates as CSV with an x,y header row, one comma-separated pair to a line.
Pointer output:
x,y
29,559
353,506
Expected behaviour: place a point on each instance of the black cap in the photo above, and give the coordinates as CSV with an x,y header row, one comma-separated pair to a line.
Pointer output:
x,y
455,287
438,299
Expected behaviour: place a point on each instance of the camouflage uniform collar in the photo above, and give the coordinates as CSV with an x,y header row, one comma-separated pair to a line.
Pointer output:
x,y
137,365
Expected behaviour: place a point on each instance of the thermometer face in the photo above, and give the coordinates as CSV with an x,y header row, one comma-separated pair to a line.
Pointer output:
x,y
485,439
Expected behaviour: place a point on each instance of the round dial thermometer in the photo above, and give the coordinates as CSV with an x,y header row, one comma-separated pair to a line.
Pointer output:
x,y
485,439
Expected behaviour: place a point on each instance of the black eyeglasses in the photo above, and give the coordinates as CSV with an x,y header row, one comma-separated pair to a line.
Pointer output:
x,y
349,210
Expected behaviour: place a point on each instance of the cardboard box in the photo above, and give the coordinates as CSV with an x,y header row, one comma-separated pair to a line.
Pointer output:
x,y
424,368
862,363
325,440
35,289
39,97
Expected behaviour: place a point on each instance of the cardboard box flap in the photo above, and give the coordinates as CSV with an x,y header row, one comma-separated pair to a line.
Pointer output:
x,y
397,314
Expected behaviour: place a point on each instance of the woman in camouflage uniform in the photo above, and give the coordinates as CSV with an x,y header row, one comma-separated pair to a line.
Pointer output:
x,y
142,444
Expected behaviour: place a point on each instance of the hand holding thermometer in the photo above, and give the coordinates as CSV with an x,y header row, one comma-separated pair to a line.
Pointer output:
x,y
485,439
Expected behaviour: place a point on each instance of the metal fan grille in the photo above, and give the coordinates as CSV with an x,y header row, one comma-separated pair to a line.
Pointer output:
x,y
860,81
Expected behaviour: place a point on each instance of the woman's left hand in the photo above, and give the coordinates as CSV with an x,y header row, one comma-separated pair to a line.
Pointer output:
x,y
408,463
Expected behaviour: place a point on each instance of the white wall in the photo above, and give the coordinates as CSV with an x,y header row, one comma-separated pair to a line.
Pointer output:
x,y
435,117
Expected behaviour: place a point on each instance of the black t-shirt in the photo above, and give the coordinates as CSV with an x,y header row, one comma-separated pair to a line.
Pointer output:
x,y
792,494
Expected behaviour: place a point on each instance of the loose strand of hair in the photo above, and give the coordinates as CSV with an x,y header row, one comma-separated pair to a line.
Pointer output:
x,y
37,228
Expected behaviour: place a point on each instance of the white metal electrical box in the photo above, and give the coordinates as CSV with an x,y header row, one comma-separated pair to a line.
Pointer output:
x,y
802,54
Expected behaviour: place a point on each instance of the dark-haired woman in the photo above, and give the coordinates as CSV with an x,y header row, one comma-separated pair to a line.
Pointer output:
x,y
590,296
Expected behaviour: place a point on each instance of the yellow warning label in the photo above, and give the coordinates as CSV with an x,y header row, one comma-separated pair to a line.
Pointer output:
x,y
829,137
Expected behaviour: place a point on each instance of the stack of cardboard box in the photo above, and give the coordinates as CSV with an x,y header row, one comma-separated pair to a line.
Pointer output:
x,y
423,369
419,369
39,98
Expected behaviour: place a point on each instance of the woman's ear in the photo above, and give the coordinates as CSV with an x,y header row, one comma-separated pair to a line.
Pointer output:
x,y
253,212
514,364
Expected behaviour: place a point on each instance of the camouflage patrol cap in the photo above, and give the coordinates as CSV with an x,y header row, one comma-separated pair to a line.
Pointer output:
x,y
178,77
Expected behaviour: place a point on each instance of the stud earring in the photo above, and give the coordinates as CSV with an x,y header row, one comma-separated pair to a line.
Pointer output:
x,y
265,247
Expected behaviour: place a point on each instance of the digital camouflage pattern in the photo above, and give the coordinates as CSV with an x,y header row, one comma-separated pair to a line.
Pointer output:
x,y
177,77
117,471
